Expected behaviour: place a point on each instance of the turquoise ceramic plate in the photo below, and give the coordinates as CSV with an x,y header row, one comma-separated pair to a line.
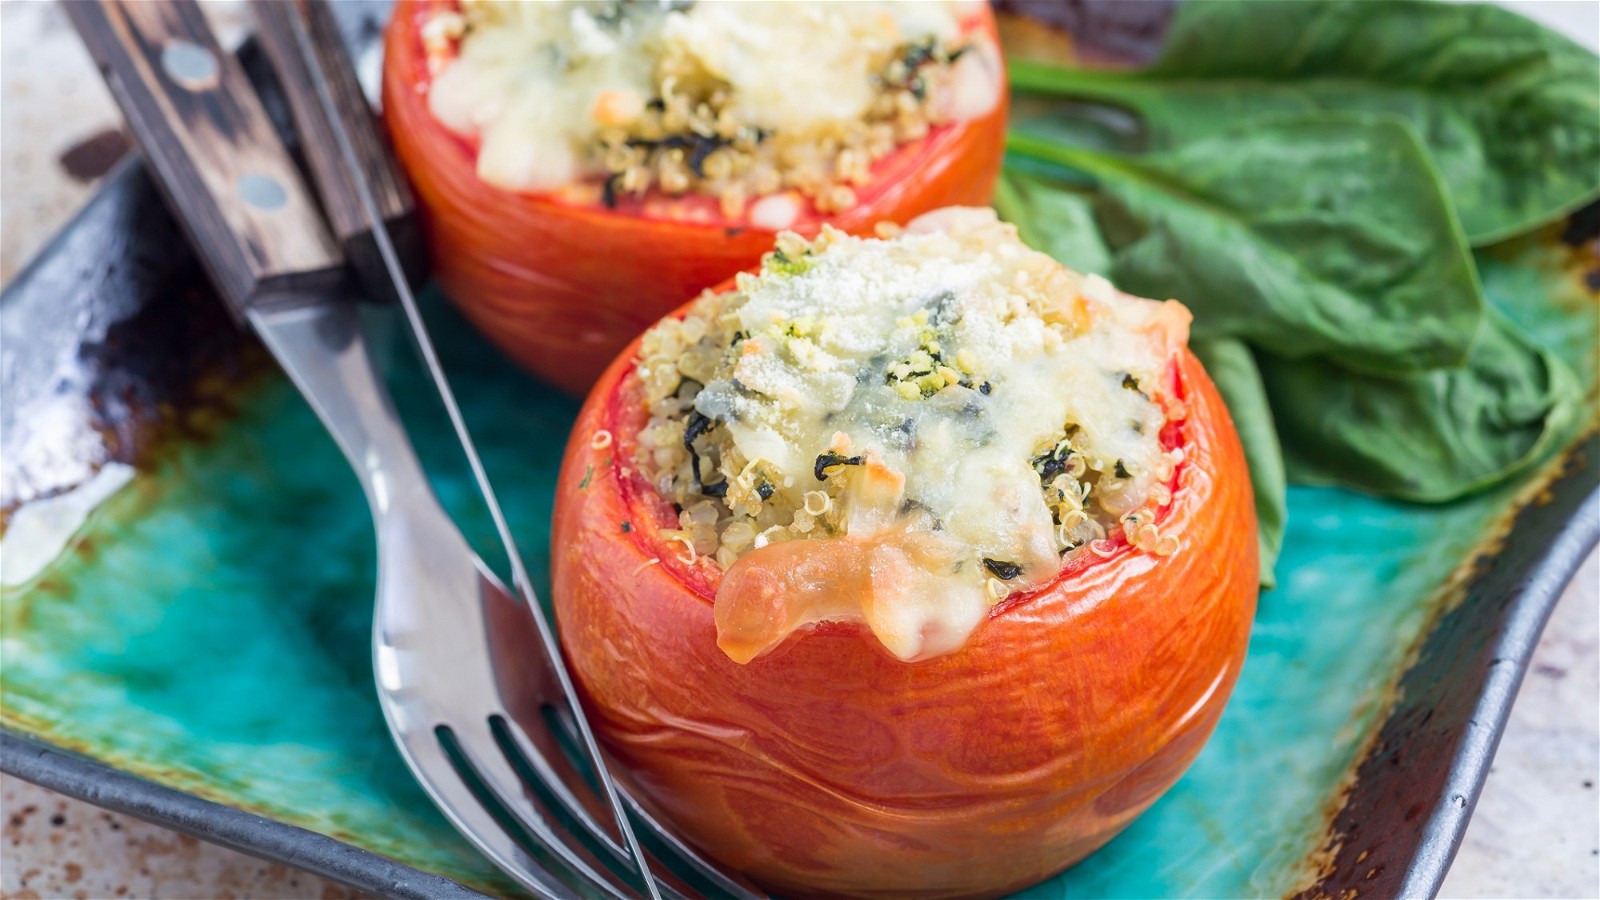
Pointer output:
x,y
199,655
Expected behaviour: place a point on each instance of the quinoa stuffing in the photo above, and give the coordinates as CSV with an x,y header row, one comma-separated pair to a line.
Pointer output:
x,y
789,102
947,383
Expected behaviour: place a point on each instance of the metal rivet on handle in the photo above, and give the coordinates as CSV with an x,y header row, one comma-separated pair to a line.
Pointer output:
x,y
262,192
189,65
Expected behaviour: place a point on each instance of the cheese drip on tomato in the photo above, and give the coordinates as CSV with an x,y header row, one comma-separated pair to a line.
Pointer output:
x,y
903,432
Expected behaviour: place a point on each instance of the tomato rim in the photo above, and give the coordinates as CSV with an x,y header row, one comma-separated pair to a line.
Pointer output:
x,y
645,505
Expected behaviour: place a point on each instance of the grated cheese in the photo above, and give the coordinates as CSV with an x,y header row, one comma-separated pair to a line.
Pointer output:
x,y
558,91
948,387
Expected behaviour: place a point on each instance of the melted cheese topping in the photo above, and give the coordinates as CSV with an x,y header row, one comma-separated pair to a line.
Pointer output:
x,y
538,84
800,66
947,412
529,75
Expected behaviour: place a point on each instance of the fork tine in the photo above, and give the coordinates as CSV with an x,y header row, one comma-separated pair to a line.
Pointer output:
x,y
546,757
728,884
571,795
455,799
668,846
556,774
540,730
502,781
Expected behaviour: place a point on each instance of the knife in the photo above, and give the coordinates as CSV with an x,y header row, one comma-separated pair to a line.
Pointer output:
x,y
246,210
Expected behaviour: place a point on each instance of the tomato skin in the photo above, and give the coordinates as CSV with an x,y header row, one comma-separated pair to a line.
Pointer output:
x,y
828,767
561,287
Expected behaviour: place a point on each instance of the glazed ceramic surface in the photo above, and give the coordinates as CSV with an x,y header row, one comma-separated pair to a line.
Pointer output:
x,y
208,628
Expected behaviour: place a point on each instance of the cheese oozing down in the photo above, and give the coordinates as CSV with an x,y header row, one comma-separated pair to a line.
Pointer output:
x,y
736,100
903,431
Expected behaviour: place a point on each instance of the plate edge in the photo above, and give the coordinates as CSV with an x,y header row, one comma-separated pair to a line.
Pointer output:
x,y
1474,690
85,779
1519,636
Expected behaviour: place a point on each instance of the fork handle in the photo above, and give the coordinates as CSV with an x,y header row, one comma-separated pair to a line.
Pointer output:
x,y
280,25
215,155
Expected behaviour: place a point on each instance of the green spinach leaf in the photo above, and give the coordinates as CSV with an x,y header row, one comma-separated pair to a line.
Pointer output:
x,y
1233,368
1327,236
1509,110
1053,218
1430,437
1077,122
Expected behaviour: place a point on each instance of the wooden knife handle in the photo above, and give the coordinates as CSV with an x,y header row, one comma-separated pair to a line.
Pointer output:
x,y
212,148
276,29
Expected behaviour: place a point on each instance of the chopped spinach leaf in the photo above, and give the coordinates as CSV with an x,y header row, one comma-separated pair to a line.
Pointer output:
x,y
830,459
1005,571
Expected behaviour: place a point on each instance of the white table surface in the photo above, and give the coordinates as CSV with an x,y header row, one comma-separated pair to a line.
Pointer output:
x,y
1536,831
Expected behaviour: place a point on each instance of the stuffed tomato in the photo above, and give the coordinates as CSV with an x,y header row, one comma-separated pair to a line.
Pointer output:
x,y
585,167
914,566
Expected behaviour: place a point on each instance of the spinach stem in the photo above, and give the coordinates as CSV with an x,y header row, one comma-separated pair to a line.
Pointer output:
x,y
1083,159
1112,87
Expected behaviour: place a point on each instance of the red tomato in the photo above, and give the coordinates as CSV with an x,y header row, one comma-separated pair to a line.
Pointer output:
x,y
828,766
562,286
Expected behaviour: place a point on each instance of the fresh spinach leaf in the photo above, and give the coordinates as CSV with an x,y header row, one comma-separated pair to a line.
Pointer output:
x,y
1509,110
1080,123
1053,218
1321,236
1233,368
1430,437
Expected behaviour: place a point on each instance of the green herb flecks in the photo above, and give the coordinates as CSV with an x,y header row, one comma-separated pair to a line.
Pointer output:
x,y
780,263
695,425
829,462
1005,571
1053,462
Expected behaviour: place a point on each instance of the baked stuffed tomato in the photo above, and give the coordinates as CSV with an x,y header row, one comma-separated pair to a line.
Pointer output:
x,y
915,566
584,167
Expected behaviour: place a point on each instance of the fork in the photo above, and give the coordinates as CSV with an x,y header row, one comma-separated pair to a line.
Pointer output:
x,y
469,678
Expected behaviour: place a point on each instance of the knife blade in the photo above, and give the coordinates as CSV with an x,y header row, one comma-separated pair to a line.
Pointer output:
x,y
320,63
